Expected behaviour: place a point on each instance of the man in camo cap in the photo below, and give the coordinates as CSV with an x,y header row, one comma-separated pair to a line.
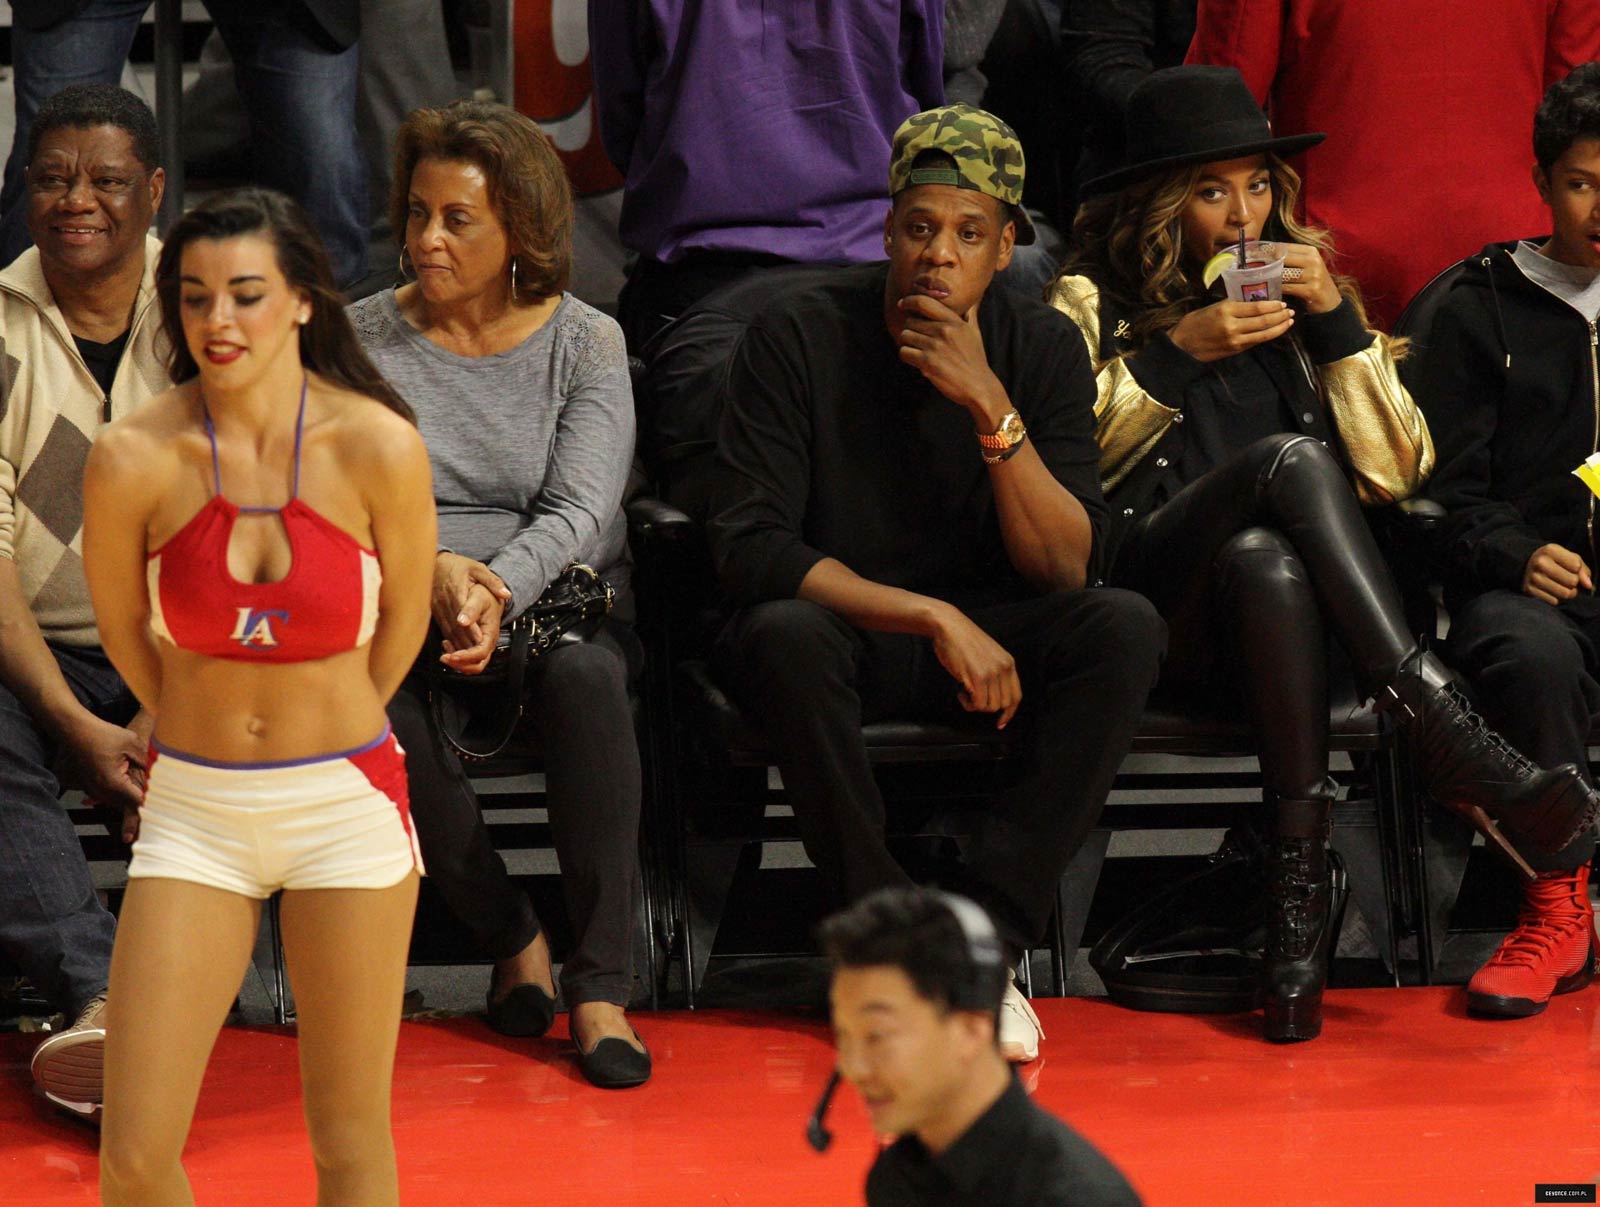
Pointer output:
x,y
981,153
913,544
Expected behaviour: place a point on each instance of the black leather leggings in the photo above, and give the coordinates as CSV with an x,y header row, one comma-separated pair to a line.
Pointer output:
x,y
1252,566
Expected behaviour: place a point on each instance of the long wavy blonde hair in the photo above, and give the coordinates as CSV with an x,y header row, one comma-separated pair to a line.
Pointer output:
x,y
1130,243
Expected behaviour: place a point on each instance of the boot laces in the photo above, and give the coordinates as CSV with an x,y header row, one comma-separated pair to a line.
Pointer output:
x,y
1293,923
1555,907
1294,930
1480,734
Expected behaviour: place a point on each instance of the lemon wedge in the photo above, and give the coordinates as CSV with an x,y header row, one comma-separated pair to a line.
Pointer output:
x,y
1215,265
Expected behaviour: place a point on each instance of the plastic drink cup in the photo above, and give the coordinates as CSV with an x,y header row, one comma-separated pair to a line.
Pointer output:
x,y
1261,279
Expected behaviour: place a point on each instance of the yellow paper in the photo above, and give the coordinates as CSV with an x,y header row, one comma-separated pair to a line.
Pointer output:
x,y
1589,473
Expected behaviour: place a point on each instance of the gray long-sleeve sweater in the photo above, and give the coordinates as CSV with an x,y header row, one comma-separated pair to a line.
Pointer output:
x,y
530,448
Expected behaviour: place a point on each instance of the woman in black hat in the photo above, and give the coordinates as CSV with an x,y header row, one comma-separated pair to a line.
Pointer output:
x,y
1237,439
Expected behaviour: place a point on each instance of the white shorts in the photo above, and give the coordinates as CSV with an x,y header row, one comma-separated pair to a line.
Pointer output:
x,y
334,821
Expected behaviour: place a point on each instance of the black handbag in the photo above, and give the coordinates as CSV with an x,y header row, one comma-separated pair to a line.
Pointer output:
x,y
477,714
1196,946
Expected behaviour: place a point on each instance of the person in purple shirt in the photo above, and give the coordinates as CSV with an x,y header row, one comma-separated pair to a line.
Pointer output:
x,y
751,135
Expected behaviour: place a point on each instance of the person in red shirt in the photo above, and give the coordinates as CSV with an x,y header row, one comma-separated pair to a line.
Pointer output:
x,y
1409,74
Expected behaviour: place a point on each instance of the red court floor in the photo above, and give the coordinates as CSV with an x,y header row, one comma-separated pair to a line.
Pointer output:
x,y
1404,1101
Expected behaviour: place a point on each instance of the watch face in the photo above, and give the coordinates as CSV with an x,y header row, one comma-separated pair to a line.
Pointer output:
x,y
1009,433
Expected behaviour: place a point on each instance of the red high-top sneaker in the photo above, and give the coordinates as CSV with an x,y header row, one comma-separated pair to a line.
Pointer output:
x,y
1552,950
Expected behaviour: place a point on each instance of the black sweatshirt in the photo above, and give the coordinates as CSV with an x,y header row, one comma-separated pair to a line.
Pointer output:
x,y
1509,436
829,446
1015,1154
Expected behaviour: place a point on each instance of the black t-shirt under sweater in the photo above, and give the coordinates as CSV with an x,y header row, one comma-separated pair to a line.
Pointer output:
x,y
830,446
1015,1155
1230,406
102,359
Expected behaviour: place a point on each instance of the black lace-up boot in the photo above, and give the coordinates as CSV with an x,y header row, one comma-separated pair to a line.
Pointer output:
x,y
1306,892
1473,771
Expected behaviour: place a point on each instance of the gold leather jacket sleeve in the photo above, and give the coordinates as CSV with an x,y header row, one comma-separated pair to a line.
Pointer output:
x,y
1383,430
1128,421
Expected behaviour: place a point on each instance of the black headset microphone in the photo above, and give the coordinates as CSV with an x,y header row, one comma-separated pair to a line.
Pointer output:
x,y
986,964
817,1132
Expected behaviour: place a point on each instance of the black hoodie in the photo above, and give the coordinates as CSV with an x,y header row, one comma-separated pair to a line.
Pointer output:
x,y
1511,389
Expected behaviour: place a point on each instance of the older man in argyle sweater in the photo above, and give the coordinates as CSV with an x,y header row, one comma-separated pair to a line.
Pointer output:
x,y
80,345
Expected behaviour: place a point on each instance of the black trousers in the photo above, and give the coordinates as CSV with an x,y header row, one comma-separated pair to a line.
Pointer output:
x,y
655,293
1087,660
1253,565
1534,667
578,694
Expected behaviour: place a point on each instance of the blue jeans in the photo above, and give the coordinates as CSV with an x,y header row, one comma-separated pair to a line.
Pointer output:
x,y
300,99
52,926
299,95
87,49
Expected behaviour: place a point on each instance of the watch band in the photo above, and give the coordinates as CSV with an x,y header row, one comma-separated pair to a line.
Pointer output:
x,y
1008,435
1005,454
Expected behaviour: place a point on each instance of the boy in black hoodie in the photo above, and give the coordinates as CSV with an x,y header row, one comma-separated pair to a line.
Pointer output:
x,y
1511,390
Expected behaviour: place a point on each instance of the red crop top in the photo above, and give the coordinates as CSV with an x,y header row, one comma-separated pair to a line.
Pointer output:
x,y
326,604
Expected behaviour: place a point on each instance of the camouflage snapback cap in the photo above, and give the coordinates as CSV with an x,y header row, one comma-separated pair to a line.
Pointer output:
x,y
986,152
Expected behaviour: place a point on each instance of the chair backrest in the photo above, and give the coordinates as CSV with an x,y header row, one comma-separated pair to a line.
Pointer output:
x,y
1416,321
678,391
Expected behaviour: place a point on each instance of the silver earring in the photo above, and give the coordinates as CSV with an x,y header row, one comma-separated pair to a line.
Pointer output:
x,y
404,275
513,276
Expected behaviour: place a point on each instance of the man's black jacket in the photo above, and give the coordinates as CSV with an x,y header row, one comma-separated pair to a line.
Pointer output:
x,y
1511,390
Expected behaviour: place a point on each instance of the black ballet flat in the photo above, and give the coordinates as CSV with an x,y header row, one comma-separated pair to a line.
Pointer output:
x,y
614,1064
525,1013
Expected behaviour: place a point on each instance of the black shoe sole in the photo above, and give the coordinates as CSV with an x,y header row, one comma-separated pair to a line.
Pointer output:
x,y
1588,815
1577,801
1288,1023
1488,1005
1572,812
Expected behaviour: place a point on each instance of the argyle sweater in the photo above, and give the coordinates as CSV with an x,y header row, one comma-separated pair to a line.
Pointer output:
x,y
50,410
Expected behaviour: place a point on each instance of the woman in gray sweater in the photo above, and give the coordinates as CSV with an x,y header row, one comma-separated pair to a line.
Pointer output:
x,y
522,395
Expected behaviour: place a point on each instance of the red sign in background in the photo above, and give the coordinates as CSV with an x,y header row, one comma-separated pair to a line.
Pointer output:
x,y
557,92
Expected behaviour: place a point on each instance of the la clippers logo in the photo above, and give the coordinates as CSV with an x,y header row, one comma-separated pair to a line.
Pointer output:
x,y
255,628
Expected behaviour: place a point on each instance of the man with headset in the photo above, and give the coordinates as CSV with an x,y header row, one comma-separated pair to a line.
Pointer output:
x,y
918,977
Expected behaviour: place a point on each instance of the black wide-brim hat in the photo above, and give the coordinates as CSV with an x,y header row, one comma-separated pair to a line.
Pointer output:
x,y
1187,115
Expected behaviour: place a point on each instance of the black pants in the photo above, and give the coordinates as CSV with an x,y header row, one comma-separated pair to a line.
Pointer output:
x,y
579,695
1087,660
1252,566
655,293
1534,667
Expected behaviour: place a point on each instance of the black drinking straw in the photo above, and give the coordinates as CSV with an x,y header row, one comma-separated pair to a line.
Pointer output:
x,y
1241,247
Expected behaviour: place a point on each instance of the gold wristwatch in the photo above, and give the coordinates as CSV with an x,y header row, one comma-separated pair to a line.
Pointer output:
x,y
1005,441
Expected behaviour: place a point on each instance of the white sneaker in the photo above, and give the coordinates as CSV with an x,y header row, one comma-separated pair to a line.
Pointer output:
x,y
68,1066
1020,1031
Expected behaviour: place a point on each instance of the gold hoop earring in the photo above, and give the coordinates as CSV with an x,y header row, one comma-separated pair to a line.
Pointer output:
x,y
405,273
513,277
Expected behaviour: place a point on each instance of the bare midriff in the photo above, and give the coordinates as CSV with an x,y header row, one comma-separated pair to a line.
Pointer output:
x,y
234,712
